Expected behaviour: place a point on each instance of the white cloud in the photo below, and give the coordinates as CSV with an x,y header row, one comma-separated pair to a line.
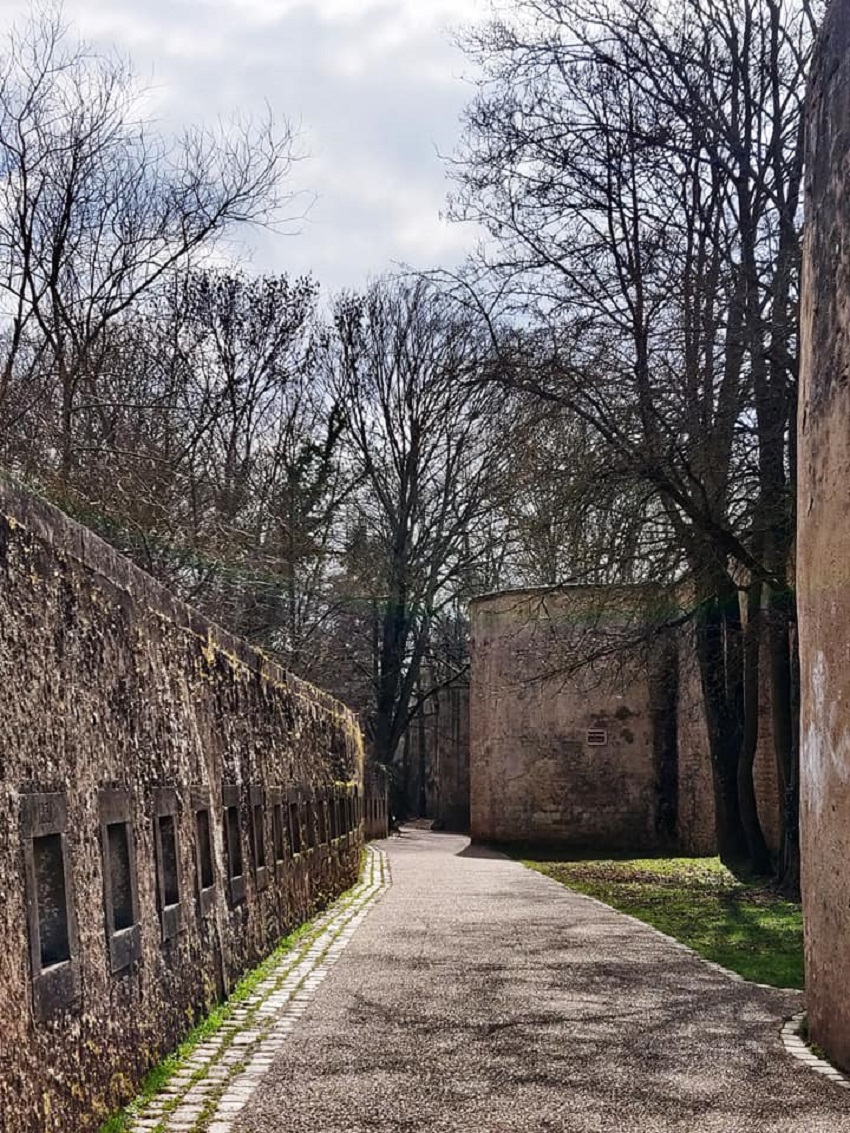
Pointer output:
x,y
375,84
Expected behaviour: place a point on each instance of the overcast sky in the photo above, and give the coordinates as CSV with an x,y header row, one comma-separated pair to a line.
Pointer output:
x,y
375,85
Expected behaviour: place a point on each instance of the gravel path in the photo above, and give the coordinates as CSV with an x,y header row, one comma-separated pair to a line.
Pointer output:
x,y
481,997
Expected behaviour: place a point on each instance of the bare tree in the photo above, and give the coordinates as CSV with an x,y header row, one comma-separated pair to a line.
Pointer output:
x,y
638,168
96,208
418,434
571,514
270,454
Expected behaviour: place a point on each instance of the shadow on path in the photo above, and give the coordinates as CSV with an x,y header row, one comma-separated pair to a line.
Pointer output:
x,y
482,997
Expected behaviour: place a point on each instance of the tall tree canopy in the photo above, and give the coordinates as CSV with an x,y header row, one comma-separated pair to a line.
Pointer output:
x,y
638,167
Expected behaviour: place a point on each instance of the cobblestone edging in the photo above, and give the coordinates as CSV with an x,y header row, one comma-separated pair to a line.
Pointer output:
x,y
796,1046
207,1092
792,1041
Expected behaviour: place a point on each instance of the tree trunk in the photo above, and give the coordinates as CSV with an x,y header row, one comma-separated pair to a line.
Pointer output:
x,y
758,850
387,709
422,802
66,446
723,735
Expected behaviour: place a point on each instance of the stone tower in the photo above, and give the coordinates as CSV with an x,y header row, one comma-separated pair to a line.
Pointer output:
x,y
823,564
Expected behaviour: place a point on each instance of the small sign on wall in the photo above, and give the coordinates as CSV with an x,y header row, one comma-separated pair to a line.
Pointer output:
x,y
597,737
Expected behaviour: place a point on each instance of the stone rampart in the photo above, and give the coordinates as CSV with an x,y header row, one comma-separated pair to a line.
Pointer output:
x,y
580,735
696,817
579,756
171,805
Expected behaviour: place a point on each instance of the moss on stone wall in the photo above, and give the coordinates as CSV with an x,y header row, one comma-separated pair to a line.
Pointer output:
x,y
107,681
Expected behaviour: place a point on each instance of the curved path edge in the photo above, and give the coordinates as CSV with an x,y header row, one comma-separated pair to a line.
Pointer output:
x,y
797,1047
791,1034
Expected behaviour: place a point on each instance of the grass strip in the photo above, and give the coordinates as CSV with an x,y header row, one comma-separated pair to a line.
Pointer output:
x,y
744,926
300,941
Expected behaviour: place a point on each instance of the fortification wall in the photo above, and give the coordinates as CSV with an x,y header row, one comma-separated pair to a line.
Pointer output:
x,y
560,756
171,804
696,818
823,543
538,772
765,770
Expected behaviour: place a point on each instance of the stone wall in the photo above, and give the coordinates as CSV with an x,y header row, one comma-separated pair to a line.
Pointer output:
x,y
171,804
823,543
765,770
579,758
535,772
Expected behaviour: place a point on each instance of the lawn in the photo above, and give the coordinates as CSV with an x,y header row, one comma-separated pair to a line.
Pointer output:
x,y
745,927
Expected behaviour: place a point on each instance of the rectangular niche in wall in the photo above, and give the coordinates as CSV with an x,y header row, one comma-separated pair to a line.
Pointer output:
x,y
295,826
334,815
257,798
51,917
120,897
204,853
309,809
167,852
233,843
322,813
278,828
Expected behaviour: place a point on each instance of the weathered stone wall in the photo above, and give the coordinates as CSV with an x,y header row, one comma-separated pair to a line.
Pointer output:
x,y
765,770
534,775
535,772
127,723
823,543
